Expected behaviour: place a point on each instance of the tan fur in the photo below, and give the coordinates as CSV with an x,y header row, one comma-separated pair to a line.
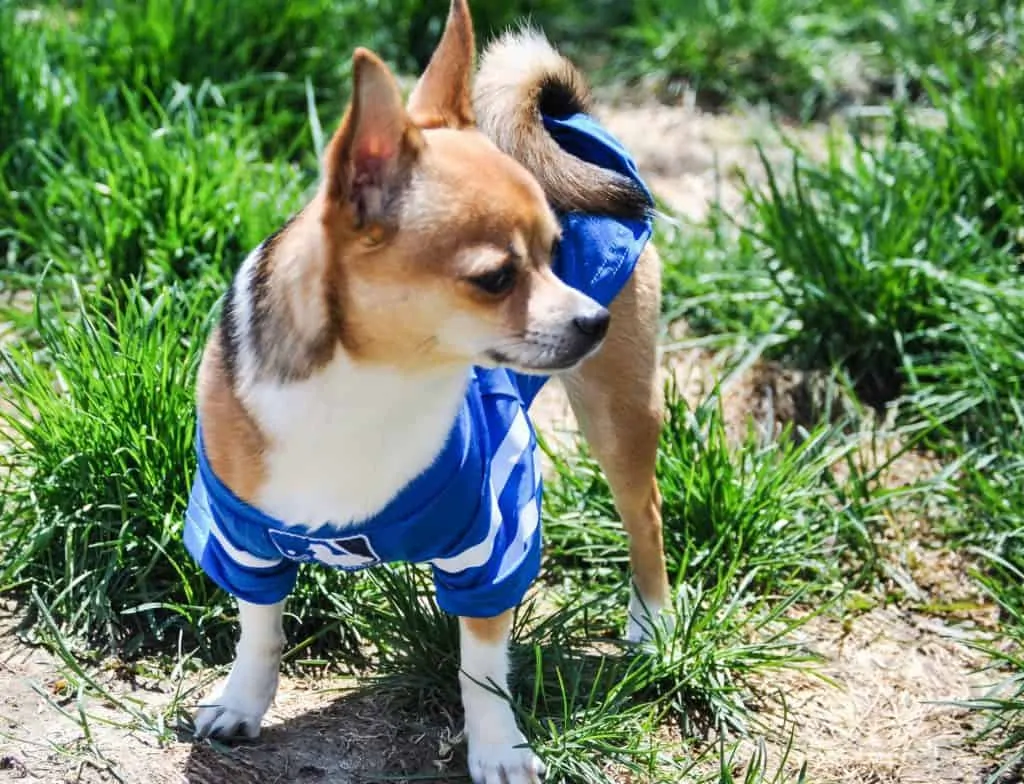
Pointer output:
x,y
522,75
489,630
234,444
442,98
618,401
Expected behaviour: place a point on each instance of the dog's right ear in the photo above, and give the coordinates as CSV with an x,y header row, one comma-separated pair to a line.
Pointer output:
x,y
443,97
370,158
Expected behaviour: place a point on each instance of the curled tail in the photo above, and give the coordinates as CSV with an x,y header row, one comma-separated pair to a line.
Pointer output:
x,y
521,79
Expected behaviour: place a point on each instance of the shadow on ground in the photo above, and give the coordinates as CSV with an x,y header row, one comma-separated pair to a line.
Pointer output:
x,y
354,739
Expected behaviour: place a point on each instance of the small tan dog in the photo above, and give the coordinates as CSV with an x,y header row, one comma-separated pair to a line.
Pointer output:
x,y
351,340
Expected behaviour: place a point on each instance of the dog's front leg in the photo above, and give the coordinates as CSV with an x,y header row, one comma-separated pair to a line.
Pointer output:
x,y
239,703
498,753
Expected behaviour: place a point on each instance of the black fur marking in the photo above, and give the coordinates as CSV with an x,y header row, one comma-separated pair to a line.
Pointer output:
x,y
229,331
559,99
631,201
259,295
259,287
278,349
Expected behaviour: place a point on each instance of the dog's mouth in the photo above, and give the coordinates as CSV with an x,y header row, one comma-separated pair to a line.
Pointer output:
x,y
543,358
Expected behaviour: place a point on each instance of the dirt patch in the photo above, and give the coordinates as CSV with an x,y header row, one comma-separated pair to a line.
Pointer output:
x,y
317,731
889,713
691,158
314,735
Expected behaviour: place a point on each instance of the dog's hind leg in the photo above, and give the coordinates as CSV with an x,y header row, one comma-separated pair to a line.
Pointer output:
x,y
618,401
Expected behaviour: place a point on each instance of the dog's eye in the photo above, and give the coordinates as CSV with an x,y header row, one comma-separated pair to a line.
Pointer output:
x,y
499,281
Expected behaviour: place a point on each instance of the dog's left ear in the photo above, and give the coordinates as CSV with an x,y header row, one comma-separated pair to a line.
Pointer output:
x,y
442,98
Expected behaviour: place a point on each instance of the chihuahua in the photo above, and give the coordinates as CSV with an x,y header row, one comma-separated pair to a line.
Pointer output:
x,y
364,397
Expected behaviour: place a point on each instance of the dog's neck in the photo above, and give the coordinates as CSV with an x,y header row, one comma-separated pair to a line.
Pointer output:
x,y
344,437
280,306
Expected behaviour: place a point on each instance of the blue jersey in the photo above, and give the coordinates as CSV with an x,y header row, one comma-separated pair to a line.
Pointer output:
x,y
474,513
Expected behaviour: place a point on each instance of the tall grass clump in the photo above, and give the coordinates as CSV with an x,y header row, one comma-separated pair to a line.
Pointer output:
x,y
37,96
809,57
163,194
878,249
984,134
266,57
790,54
987,522
100,445
35,90
258,55
972,385
942,42
759,511
101,421
715,279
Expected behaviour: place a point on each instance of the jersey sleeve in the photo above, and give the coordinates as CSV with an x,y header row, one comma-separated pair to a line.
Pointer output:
x,y
495,586
494,573
233,556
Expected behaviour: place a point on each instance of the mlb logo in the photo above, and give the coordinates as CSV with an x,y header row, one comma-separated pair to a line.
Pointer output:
x,y
350,553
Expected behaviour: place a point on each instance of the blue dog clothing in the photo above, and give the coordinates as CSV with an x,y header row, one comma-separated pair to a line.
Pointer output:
x,y
474,514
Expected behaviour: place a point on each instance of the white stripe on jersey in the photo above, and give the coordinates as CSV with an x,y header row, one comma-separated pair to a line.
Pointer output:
x,y
240,557
512,449
478,554
528,519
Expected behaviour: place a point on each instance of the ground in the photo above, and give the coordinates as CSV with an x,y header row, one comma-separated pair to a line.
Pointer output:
x,y
878,709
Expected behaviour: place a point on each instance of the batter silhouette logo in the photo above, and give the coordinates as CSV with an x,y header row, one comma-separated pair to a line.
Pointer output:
x,y
350,553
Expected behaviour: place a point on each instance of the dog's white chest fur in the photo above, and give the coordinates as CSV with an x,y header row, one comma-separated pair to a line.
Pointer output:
x,y
344,442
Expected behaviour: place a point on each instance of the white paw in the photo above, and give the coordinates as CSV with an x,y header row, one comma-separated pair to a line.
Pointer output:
x,y
220,721
237,708
644,619
504,763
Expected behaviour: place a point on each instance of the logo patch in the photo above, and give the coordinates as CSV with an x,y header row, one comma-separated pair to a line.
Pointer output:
x,y
350,553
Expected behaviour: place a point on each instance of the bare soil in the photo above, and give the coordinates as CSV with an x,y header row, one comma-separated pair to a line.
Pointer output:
x,y
877,711
317,731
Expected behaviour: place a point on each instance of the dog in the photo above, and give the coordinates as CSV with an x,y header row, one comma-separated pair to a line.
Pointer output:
x,y
363,398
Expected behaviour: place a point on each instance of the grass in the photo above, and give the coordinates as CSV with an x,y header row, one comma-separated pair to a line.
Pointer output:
x,y
763,513
876,251
778,51
847,254
715,279
805,58
163,195
895,262
150,145
92,458
993,529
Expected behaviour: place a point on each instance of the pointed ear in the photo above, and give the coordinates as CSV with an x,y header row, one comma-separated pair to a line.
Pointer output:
x,y
442,97
370,159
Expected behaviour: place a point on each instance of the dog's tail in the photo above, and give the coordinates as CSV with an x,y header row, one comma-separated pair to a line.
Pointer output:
x,y
521,77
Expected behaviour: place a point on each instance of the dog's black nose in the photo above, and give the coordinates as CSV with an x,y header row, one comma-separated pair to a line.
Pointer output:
x,y
595,324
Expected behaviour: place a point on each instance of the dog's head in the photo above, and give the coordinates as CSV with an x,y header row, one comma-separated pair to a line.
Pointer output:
x,y
440,244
